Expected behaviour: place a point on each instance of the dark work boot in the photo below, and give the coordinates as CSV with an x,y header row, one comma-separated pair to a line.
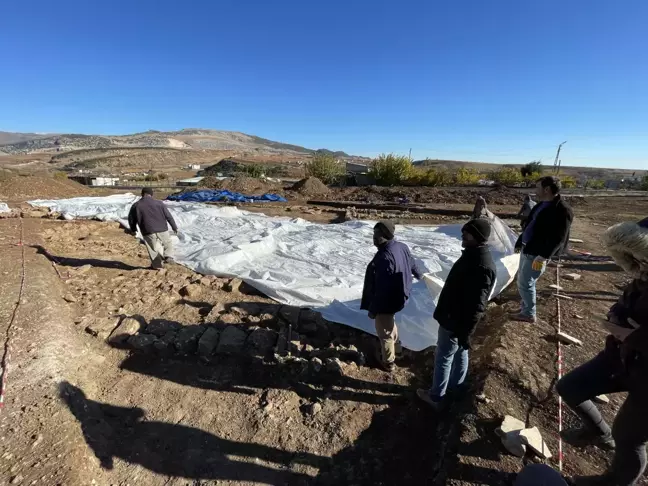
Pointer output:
x,y
583,437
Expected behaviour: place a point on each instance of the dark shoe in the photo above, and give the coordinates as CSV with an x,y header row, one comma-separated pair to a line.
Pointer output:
x,y
519,317
424,395
582,437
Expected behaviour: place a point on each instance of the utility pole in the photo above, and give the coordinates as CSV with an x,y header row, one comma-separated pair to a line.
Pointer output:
x,y
556,165
410,154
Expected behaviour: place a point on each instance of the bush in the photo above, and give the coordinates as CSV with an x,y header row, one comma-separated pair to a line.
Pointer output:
x,y
507,176
531,168
568,182
391,170
254,170
61,176
531,179
467,177
326,168
431,177
644,183
156,177
595,184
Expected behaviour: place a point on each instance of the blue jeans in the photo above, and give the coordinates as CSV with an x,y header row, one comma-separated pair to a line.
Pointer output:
x,y
450,365
526,282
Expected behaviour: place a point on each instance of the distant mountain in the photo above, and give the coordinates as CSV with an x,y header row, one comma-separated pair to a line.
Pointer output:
x,y
189,138
10,137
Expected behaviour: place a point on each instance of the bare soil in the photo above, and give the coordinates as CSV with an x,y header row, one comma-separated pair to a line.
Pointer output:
x,y
81,411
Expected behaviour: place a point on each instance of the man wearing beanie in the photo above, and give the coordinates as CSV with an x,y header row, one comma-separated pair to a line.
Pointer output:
x,y
545,234
461,305
387,286
152,217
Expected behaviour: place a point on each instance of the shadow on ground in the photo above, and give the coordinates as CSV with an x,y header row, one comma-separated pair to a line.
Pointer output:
x,y
79,262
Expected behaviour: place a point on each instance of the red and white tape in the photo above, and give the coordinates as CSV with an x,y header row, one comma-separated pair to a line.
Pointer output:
x,y
560,371
6,356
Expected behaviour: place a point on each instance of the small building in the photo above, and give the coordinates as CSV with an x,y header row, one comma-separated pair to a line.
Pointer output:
x,y
193,167
193,181
94,180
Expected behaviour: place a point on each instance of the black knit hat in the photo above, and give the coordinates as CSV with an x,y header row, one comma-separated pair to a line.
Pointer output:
x,y
386,228
479,228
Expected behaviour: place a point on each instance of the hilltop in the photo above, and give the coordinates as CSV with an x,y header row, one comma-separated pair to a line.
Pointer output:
x,y
190,138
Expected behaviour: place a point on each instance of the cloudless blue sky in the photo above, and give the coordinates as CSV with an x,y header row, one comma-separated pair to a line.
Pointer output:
x,y
484,80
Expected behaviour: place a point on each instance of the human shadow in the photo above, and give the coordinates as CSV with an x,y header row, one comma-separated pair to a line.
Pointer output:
x,y
249,375
593,267
177,450
79,262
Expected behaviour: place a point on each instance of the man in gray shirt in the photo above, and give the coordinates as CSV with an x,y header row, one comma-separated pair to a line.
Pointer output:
x,y
152,217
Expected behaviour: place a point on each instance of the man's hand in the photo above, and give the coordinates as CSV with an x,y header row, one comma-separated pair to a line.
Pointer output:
x,y
539,264
372,315
464,342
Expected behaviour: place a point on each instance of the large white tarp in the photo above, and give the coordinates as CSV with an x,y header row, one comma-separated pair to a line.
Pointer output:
x,y
4,208
296,262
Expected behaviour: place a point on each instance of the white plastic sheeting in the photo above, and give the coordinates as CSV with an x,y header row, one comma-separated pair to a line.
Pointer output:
x,y
4,208
296,262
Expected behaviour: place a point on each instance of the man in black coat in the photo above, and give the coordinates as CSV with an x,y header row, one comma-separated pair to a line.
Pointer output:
x,y
545,234
387,285
461,306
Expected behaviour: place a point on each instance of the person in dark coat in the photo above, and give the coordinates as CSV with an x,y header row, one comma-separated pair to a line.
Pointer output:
x,y
545,234
153,219
621,367
387,286
461,306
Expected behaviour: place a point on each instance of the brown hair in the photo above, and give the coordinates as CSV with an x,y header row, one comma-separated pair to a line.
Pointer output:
x,y
553,183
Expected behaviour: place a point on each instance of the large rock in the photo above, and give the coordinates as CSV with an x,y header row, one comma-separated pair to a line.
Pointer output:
x,y
159,327
533,439
103,327
186,341
191,291
142,342
215,313
334,365
308,321
509,424
232,340
229,318
165,345
129,326
290,315
261,341
233,285
208,341
512,442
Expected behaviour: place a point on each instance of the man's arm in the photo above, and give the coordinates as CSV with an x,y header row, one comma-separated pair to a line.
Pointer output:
x,y
169,218
132,219
476,292
384,271
416,271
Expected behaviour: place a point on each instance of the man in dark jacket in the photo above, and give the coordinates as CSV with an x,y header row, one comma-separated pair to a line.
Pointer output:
x,y
461,306
387,286
545,234
152,217
621,367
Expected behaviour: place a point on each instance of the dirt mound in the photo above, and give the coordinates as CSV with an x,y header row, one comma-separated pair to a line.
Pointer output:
x,y
428,195
248,186
310,186
14,187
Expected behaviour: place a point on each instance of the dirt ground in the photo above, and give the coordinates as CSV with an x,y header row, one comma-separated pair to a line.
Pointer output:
x,y
80,410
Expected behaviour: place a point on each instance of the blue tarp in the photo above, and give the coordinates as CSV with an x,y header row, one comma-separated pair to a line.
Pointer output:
x,y
214,195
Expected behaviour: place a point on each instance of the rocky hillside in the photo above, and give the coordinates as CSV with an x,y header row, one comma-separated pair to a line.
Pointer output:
x,y
191,138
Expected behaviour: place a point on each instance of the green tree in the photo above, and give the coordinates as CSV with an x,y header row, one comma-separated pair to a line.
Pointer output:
x,y
390,169
531,168
507,176
326,168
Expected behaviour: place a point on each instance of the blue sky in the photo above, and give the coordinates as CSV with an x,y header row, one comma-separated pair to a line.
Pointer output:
x,y
497,81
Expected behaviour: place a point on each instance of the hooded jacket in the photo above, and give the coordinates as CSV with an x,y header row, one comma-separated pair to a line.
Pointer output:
x,y
627,243
464,297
